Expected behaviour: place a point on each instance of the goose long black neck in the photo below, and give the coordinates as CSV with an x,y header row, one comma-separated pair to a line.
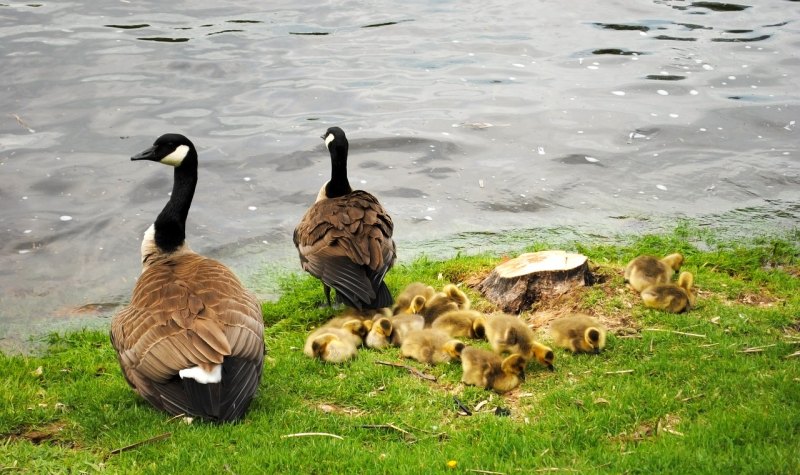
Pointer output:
x,y
338,185
170,225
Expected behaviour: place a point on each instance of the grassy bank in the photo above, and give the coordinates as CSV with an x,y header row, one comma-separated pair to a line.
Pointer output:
x,y
712,391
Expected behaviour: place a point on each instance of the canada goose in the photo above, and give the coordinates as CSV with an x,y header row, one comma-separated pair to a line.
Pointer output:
x,y
488,370
462,323
403,324
380,335
431,346
191,341
579,333
332,344
345,237
644,271
412,298
671,297
508,334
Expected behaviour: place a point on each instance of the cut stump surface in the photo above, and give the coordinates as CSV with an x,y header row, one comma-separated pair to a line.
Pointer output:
x,y
517,284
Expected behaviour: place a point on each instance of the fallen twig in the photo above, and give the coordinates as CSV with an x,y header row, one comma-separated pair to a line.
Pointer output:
x,y
311,434
462,406
622,371
411,369
697,335
406,434
163,436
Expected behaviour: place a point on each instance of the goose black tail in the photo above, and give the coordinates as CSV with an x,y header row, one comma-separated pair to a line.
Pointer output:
x,y
225,401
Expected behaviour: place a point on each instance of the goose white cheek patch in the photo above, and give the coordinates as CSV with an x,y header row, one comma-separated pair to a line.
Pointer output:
x,y
328,140
202,376
176,157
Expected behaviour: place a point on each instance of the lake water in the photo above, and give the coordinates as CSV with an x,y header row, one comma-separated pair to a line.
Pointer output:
x,y
473,121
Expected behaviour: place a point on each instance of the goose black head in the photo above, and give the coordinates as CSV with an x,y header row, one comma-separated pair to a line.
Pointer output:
x,y
169,149
336,140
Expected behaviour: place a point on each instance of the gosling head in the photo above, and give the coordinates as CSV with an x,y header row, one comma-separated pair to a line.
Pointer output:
x,y
515,364
594,339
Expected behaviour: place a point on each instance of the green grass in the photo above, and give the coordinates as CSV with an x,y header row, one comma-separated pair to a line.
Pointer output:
x,y
690,404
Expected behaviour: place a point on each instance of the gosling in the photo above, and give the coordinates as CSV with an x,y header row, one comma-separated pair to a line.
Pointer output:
x,y
431,346
462,323
407,298
671,297
380,335
579,333
508,334
645,271
402,325
488,370
333,345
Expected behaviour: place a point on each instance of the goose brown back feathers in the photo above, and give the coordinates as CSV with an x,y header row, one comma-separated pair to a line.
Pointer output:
x,y
187,311
347,243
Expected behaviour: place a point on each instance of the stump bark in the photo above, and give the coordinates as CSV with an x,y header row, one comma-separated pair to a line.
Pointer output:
x,y
517,284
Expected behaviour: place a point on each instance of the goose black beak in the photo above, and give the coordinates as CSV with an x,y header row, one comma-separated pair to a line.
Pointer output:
x,y
149,154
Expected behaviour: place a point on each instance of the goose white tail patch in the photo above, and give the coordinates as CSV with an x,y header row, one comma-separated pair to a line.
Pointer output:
x,y
176,157
328,140
202,376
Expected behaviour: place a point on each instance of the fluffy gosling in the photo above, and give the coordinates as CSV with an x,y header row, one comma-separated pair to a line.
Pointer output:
x,y
334,345
671,297
645,271
462,323
579,333
405,302
488,370
508,334
431,346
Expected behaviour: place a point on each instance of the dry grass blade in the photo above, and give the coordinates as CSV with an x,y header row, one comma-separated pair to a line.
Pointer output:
x,y
687,399
696,335
163,436
622,371
756,349
312,434
410,369
475,470
406,434
796,353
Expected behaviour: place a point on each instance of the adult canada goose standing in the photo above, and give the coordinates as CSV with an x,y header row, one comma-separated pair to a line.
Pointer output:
x,y
192,339
345,237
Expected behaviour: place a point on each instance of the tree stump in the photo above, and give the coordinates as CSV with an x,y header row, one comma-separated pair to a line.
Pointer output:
x,y
517,284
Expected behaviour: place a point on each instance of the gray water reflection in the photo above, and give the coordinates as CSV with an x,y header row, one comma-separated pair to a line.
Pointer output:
x,y
479,124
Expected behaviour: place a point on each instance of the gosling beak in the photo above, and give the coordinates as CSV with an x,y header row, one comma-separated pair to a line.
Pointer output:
x,y
551,367
149,154
597,351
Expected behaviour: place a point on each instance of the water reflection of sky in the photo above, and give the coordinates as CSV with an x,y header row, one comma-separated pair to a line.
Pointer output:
x,y
468,119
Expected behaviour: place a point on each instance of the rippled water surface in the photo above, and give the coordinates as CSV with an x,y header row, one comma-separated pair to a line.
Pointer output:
x,y
467,119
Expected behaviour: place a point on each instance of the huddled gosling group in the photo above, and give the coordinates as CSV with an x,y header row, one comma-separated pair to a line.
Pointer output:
x,y
652,278
428,326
